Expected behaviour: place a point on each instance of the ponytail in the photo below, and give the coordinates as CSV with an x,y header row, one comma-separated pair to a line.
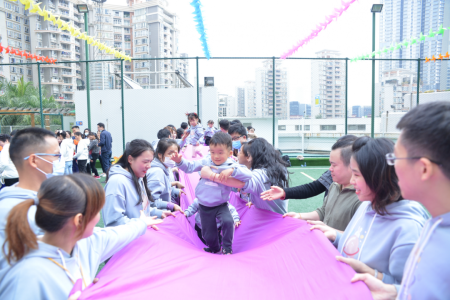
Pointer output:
x,y
19,237
59,199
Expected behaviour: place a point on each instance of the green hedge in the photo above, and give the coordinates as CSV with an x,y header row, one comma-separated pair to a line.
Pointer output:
x,y
311,162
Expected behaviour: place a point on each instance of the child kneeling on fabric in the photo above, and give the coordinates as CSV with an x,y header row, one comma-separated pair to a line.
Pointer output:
x,y
193,209
212,195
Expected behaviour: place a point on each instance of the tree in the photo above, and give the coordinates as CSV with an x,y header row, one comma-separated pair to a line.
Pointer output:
x,y
24,94
319,116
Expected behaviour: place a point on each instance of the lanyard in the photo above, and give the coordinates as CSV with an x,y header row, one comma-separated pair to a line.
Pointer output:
x,y
67,271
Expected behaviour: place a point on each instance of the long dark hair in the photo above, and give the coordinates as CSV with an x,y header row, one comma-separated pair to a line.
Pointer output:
x,y
265,156
60,198
135,148
163,145
370,155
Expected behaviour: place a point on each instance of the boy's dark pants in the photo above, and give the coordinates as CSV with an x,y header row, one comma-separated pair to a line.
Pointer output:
x,y
208,217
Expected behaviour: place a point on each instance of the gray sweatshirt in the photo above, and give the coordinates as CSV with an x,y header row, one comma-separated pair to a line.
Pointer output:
x,y
93,146
211,193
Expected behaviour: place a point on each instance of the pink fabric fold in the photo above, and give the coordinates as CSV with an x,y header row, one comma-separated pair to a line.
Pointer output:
x,y
274,258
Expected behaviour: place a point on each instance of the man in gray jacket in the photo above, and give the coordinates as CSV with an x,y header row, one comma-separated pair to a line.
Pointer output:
x,y
341,202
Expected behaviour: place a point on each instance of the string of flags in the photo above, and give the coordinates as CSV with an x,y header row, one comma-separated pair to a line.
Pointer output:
x,y
48,16
200,27
405,44
27,55
337,12
439,57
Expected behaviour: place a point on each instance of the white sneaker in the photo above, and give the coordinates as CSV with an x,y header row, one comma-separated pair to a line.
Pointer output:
x,y
103,175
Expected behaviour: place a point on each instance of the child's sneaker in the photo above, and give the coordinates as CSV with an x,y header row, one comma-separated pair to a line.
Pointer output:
x,y
210,251
227,252
97,177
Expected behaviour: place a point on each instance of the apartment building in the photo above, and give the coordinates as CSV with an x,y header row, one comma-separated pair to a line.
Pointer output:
x,y
399,21
328,86
29,32
227,106
299,110
265,89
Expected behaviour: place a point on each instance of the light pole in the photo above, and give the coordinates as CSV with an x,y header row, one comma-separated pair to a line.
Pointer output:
x,y
83,9
376,8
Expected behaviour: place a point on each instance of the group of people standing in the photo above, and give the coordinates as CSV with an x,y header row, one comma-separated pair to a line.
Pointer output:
x,y
81,150
370,212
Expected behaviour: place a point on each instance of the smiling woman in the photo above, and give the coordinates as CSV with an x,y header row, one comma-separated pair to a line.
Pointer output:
x,y
126,188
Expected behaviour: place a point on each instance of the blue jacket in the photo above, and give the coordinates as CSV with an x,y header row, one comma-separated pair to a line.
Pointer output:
x,y
122,198
10,197
258,184
160,183
40,278
193,208
213,193
427,269
105,141
195,135
383,242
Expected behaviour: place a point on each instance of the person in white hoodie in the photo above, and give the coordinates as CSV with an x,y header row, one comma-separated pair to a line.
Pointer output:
x,y
8,171
384,229
67,149
82,154
67,256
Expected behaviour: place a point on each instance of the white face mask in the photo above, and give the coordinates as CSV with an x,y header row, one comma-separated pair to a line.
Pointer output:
x,y
58,168
168,162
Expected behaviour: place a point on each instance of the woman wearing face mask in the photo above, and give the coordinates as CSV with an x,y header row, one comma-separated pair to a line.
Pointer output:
x,y
384,229
159,178
126,189
71,249
86,133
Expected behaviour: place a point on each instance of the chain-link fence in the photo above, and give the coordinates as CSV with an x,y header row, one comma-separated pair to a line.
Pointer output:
x,y
301,105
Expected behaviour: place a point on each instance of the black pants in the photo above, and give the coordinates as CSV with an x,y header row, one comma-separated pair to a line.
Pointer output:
x,y
208,215
11,181
207,140
92,163
199,233
82,165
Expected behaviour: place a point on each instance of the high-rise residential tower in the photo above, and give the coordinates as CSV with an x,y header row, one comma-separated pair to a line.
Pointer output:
x,y
327,86
399,21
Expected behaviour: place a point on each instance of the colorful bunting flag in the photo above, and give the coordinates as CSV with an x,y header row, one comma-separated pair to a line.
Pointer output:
x,y
198,18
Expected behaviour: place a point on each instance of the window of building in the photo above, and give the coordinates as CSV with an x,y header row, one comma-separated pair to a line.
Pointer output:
x,y
359,127
327,127
298,127
281,127
307,127
127,45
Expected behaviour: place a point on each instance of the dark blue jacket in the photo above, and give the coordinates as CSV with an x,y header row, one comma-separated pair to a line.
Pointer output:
x,y
105,141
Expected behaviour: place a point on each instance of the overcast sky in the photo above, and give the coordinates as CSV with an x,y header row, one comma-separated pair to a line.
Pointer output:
x,y
249,28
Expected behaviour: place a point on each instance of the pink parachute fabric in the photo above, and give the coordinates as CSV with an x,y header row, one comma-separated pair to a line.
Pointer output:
x,y
274,258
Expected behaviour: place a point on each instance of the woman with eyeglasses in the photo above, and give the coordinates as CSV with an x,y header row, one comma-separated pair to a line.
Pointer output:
x,y
384,229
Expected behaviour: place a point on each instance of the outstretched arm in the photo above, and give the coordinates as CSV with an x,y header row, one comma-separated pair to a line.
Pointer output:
x,y
207,173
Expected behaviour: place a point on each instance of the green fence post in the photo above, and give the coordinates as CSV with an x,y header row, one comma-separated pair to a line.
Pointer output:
x,y
62,122
273,99
372,127
88,86
346,102
40,95
198,89
418,81
123,104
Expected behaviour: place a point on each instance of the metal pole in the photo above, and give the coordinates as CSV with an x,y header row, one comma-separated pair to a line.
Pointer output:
x,y
88,85
198,89
372,127
123,103
62,122
40,95
418,81
273,100
346,102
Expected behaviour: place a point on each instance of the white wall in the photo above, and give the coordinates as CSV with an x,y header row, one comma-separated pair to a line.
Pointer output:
x,y
209,109
146,111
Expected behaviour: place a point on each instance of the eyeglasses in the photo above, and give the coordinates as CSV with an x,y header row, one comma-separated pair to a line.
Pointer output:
x,y
45,154
237,138
390,159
